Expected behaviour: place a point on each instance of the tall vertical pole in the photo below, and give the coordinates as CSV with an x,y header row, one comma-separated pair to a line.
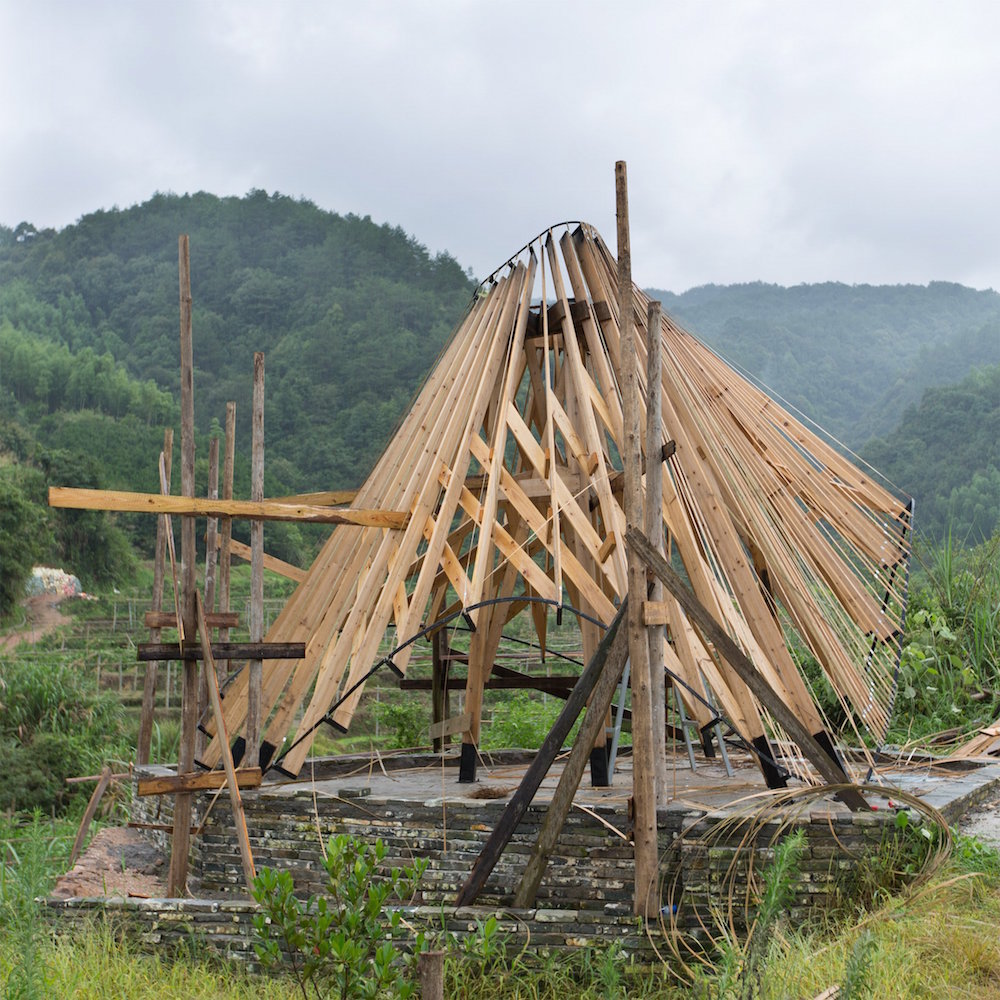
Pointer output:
x,y
255,723
643,774
226,530
159,563
177,881
654,532
211,541
212,534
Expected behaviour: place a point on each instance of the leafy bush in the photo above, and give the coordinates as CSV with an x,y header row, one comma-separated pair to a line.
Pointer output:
x,y
53,724
404,723
521,719
23,538
338,944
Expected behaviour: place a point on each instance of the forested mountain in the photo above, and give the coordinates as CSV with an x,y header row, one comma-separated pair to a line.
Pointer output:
x,y
851,357
350,315
946,453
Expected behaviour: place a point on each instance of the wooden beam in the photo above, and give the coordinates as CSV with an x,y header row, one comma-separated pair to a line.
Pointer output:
x,y
827,768
197,781
554,684
273,563
539,767
146,651
167,619
265,510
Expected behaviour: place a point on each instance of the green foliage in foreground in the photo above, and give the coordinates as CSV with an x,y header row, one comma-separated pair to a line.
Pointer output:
x,y
338,944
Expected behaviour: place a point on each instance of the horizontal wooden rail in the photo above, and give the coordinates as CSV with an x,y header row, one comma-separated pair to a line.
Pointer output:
x,y
262,510
147,651
196,781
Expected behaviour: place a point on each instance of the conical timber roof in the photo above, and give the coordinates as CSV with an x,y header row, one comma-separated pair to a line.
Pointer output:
x,y
508,466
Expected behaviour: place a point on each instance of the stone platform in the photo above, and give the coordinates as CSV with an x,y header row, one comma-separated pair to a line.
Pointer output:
x,y
715,833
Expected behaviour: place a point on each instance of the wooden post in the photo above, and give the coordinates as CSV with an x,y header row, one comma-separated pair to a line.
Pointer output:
x,y
177,880
643,768
211,542
212,532
235,799
255,724
149,687
654,532
569,780
226,530
430,966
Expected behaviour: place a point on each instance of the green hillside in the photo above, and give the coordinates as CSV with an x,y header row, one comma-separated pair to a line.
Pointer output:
x,y
851,357
350,314
946,453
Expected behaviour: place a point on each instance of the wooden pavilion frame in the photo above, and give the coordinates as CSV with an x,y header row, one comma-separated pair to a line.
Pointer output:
x,y
507,473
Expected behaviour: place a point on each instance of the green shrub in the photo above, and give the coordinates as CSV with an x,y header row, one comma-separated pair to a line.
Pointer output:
x,y
338,944
53,724
521,719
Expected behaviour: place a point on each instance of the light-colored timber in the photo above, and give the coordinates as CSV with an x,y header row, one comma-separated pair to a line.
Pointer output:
x,y
504,482
264,510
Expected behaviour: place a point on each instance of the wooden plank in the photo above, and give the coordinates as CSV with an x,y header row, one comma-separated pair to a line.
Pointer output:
x,y
255,668
273,563
552,744
90,812
196,781
167,619
449,727
181,840
232,775
221,650
643,766
827,768
655,613
266,510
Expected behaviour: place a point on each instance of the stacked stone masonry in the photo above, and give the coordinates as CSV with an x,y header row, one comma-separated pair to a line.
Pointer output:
x,y
585,899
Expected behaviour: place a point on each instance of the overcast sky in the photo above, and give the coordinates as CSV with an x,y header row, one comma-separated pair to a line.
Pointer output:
x,y
783,142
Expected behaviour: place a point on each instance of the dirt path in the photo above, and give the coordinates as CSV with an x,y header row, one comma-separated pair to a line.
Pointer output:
x,y
43,616
118,862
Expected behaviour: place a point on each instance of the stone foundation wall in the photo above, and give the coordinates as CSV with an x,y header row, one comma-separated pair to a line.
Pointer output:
x,y
585,899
